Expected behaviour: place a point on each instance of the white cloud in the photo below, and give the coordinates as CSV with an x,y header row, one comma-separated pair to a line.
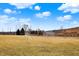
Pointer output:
x,y
74,24
12,22
22,5
7,23
64,18
9,11
37,8
69,7
43,14
6,19
2,17
24,21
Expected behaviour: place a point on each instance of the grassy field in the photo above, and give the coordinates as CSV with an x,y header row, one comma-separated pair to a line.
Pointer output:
x,y
12,45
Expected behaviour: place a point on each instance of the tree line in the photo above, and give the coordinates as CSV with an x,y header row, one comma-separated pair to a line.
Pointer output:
x,y
32,32
36,32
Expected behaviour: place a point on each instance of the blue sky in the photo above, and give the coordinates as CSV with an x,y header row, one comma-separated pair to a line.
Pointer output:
x,y
46,16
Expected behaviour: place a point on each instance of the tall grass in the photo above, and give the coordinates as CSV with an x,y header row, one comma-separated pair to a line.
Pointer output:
x,y
12,45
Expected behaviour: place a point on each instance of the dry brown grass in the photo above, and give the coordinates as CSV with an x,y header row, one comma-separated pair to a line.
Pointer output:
x,y
13,45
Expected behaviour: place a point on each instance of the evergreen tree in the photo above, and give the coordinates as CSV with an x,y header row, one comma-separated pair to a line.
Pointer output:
x,y
18,32
22,32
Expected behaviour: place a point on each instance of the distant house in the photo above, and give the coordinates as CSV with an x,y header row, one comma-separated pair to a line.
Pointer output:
x,y
49,33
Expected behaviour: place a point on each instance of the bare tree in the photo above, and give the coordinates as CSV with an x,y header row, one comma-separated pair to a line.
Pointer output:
x,y
25,27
